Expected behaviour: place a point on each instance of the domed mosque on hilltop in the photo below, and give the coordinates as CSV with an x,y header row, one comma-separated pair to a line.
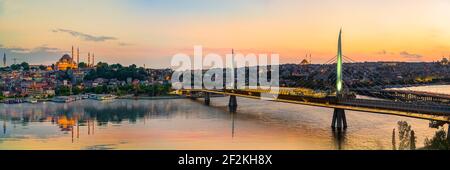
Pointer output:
x,y
305,61
66,62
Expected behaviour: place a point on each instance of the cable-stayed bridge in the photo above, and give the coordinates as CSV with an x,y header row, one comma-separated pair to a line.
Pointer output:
x,y
342,96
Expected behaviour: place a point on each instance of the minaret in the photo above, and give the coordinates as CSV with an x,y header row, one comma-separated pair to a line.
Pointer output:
x,y
310,59
73,56
4,59
78,55
93,60
89,60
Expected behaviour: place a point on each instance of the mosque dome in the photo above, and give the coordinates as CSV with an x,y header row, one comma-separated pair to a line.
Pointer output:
x,y
66,58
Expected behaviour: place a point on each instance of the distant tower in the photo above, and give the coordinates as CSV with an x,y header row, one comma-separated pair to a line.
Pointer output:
x,y
89,60
78,55
310,59
4,59
339,84
93,60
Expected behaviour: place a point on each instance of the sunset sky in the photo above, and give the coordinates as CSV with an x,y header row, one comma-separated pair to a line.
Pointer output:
x,y
151,31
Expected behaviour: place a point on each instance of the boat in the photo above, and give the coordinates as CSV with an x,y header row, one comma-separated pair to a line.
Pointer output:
x,y
13,101
92,96
31,100
106,97
78,97
63,99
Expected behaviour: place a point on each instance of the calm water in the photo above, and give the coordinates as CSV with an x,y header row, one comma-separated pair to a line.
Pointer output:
x,y
188,124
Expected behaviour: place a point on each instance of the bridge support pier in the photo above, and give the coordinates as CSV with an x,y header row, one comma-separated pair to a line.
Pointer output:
x,y
191,95
448,132
339,120
207,98
232,104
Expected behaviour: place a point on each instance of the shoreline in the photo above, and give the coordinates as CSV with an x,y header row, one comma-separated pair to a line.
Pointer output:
x,y
120,98
151,97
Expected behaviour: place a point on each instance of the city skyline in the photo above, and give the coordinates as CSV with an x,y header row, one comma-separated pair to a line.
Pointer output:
x,y
151,32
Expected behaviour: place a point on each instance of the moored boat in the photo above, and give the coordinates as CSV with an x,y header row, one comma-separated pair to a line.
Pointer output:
x,y
13,101
106,97
63,99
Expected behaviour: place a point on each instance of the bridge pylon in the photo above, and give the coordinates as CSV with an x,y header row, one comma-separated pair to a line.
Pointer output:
x,y
207,98
448,132
232,104
339,120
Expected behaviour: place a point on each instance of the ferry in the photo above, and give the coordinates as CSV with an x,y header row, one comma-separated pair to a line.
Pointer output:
x,y
106,97
63,99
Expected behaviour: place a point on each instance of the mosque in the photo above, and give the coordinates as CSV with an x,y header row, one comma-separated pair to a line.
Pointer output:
x,y
305,61
68,62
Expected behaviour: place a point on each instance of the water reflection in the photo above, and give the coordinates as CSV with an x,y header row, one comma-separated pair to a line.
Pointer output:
x,y
66,116
232,124
123,121
188,124
339,138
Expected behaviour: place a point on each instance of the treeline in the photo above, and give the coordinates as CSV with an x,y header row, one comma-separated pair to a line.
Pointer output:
x,y
23,65
148,90
117,71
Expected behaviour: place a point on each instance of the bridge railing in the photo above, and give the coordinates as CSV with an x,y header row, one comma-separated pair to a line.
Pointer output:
x,y
409,107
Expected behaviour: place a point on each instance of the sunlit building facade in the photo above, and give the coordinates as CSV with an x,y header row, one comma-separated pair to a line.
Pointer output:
x,y
66,62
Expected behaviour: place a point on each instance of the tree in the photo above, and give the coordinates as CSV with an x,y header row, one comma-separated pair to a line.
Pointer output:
x,y
116,66
15,67
394,145
101,89
82,65
25,66
116,71
76,90
438,142
42,67
404,131
412,140
63,91
1,96
406,136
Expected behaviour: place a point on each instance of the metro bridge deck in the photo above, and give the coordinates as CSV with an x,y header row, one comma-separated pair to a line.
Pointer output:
x,y
411,109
